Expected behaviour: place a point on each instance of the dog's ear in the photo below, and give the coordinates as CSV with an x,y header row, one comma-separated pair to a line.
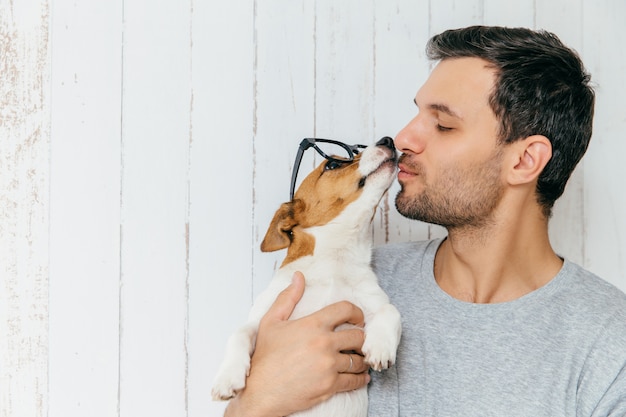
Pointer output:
x,y
279,234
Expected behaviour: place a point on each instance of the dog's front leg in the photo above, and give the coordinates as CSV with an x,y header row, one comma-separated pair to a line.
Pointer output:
x,y
382,336
231,377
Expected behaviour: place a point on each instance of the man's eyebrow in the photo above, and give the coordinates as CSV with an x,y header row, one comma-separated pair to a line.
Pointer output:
x,y
442,108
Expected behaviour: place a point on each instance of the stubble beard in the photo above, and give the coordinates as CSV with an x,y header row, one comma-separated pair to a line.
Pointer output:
x,y
458,199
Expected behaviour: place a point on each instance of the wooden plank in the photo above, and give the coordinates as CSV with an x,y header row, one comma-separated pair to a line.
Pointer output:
x,y
220,186
344,70
605,200
85,208
284,114
154,236
24,200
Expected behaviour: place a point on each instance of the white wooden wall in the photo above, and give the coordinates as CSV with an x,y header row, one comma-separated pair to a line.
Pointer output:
x,y
145,144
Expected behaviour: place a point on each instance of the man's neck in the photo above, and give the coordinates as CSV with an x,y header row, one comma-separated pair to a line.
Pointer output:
x,y
498,264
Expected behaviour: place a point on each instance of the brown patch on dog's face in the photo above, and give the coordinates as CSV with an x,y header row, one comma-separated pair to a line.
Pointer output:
x,y
327,190
321,197
285,232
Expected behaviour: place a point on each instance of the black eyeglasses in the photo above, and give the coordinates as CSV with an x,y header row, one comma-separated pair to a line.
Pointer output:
x,y
331,150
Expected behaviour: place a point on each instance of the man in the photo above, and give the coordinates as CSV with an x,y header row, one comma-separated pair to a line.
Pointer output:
x,y
494,321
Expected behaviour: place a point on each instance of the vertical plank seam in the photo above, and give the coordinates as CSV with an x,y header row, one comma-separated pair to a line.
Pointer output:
x,y
49,53
188,214
255,57
121,225
315,68
48,45
482,11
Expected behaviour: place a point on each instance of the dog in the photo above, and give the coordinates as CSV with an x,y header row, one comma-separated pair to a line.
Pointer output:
x,y
326,229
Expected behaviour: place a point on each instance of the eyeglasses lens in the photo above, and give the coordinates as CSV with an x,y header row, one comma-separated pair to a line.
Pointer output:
x,y
333,150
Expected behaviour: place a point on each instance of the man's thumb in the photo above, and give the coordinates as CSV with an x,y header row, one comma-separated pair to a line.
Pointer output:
x,y
288,298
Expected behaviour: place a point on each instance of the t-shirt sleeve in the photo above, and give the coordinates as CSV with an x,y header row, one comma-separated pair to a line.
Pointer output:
x,y
602,385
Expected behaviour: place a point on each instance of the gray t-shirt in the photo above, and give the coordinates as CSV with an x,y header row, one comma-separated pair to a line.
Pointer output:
x,y
557,351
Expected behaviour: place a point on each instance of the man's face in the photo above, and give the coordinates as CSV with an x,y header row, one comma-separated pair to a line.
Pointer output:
x,y
450,170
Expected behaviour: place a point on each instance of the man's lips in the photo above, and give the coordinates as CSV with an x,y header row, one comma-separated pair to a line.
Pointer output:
x,y
407,169
403,174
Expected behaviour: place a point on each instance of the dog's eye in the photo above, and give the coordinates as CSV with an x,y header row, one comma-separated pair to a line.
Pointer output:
x,y
333,164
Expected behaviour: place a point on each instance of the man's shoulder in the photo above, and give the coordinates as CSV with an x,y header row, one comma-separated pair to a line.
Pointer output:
x,y
593,293
592,303
598,312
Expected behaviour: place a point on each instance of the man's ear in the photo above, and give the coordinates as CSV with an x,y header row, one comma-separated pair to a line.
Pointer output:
x,y
531,155
279,233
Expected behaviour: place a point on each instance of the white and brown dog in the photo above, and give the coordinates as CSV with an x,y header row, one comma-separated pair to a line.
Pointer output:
x,y
327,230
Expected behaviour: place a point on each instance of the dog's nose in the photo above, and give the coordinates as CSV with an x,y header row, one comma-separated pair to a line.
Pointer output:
x,y
386,141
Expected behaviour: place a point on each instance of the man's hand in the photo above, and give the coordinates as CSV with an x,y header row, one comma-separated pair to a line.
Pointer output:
x,y
299,363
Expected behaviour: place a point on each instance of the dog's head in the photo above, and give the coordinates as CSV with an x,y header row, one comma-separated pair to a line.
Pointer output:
x,y
342,195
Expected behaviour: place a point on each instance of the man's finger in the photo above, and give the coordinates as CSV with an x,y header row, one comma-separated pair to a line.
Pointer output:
x,y
287,300
353,363
350,382
339,313
349,340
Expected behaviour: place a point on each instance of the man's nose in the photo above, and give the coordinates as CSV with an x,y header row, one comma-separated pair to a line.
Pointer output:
x,y
411,139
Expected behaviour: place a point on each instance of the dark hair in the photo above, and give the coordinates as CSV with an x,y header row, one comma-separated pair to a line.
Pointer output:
x,y
541,88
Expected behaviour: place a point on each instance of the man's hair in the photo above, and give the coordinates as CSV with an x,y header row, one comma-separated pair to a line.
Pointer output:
x,y
541,88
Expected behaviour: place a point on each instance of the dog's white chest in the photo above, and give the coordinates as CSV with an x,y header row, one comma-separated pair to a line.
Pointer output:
x,y
318,295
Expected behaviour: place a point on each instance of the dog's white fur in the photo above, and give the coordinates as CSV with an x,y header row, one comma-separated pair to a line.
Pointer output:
x,y
341,257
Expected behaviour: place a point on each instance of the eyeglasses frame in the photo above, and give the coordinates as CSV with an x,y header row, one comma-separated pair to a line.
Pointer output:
x,y
307,143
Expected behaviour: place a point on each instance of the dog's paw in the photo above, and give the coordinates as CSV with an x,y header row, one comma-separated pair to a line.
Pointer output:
x,y
382,337
229,381
379,355
231,377
223,391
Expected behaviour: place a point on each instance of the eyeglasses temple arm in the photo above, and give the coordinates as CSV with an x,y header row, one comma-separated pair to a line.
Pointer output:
x,y
294,172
